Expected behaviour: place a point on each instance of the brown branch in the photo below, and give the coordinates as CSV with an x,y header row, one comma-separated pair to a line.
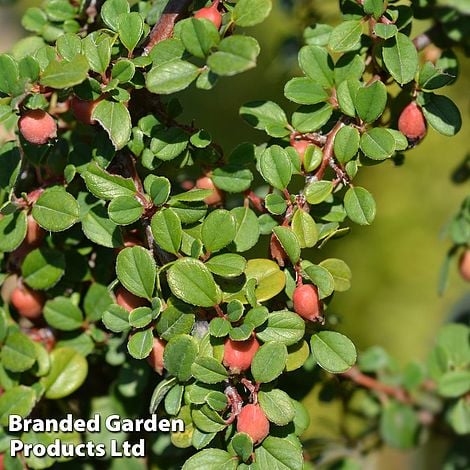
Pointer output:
x,y
328,150
164,27
371,383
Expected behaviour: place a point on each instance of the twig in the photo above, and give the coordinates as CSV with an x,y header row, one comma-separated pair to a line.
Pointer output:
x,y
164,28
328,150
366,381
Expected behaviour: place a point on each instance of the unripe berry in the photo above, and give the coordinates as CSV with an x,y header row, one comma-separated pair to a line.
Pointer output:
x,y
211,13
83,110
155,359
27,302
129,301
253,422
412,123
238,355
306,302
217,195
37,127
464,265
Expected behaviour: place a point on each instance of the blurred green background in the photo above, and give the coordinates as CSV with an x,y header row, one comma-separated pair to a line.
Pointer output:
x,y
395,263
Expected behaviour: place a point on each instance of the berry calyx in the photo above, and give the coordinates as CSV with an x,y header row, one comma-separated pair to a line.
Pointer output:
x,y
83,110
28,303
412,123
217,196
37,126
238,355
464,265
129,301
211,13
253,422
306,302
155,358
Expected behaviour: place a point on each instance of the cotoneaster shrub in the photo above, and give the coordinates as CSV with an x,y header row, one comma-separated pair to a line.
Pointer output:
x,y
126,234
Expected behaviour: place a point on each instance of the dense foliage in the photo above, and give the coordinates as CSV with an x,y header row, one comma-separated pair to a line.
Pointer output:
x,y
144,267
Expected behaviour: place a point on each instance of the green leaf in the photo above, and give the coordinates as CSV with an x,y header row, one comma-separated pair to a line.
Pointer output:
x,y
251,12
42,268
97,48
346,96
236,54
401,58
311,118
136,270
317,65
159,393
243,446
455,340
279,453
232,179
199,36
304,90
130,29
170,77
99,229
346,143
158,187
218,230
13,228
111,12
208,370
175,320
269,278
346,36
385,31
61,313
284,327
106,186
289,241
56,210
275,203
18,353
321,277
399,425
219,327
247,228
10,161
454,384
370,101
115,120
266,116
192,282
167,231
96,301
340,272
459,416
318,191
432,77
226,265
441,113
179,356
19,400
125,210
277,406
8,74
140,344
211,459
305,229
65,74
140,317
333,351
269,361
276,167
378,143
359,205
68,371
116,318
374,7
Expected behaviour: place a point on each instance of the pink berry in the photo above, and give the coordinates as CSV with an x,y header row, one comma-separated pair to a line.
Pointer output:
x,y
253,422
37,127
238,355
306,302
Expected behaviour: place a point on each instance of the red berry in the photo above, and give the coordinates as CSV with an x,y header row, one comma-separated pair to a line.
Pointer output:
x,y
301,147
217,195
211,13
412,123
37,127
155,359
306,302
253,422
129,301
464,265
238,355
27,302
35,233
83,110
